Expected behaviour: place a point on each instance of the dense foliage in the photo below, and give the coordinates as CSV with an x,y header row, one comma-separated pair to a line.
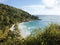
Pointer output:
x,y
10,15
50,36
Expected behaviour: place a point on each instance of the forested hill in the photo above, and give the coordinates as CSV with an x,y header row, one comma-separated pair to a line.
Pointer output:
x,y
10,15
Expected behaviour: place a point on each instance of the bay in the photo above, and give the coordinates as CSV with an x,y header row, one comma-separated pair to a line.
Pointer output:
x,y
28,27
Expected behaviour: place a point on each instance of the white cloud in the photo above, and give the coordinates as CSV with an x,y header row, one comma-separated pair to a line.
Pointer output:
x,y
49,7
49,3
1,1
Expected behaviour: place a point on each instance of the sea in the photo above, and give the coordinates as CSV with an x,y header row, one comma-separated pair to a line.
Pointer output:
x,y
27,27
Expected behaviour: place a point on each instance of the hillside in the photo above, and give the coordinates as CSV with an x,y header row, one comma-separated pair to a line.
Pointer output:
x,y
10,15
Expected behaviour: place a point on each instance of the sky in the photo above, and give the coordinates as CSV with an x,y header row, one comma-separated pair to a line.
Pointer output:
x,y
36,7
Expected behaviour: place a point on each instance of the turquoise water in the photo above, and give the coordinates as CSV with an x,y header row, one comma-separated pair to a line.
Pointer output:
x,y
35,24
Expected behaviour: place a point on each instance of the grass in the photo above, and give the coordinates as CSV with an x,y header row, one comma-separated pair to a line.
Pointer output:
x,y
50,36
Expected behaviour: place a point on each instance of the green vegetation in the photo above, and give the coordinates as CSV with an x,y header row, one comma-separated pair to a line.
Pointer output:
x,y
10,15
50,36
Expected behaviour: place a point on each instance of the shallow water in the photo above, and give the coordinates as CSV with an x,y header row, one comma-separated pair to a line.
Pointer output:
x,y
27,27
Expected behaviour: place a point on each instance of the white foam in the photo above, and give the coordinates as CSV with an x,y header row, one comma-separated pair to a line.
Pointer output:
x,y
24,30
